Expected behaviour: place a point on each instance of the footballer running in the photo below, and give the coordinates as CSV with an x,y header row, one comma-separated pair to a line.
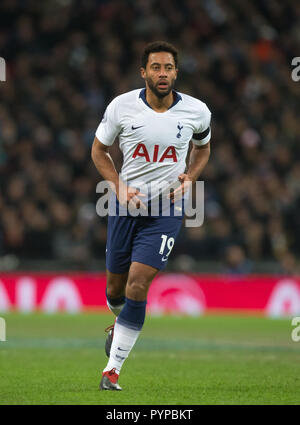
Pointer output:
x,y
154,125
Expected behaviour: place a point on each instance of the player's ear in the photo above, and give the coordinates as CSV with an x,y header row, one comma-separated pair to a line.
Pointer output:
x,y
143,72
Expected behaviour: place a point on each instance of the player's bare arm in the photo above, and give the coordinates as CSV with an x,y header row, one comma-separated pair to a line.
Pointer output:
x,y
104,162
105,165
198,159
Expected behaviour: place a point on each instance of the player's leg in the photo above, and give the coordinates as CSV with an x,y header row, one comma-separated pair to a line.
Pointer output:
x,y
120,231
115,291
139,281
115,299
152,245
129,323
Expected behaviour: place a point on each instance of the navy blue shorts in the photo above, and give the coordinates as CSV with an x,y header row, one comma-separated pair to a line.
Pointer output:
x,y
147,240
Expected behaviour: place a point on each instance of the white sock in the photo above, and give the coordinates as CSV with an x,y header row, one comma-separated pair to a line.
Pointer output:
x,y
123,341
116,309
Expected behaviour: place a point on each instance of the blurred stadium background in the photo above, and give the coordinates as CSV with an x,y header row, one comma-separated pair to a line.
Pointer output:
x,y
66,59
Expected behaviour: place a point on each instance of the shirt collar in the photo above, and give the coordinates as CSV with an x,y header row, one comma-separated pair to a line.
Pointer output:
x,y
177,98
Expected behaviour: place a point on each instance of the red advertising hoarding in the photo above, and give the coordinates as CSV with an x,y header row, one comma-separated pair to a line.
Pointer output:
x,y
191,294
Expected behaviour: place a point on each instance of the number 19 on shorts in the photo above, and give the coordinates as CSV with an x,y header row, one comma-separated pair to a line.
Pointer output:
x,y
166,241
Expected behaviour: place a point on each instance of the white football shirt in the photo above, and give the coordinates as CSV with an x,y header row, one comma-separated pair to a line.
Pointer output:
x,y
154,145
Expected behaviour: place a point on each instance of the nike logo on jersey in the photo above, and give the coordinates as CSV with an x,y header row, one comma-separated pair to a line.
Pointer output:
x,y
121,349
164,259
135,128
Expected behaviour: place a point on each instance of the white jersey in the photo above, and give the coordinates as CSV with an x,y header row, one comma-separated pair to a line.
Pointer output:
x,y
154,145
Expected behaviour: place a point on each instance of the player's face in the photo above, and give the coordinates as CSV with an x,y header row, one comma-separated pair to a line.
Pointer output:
x,y
160,73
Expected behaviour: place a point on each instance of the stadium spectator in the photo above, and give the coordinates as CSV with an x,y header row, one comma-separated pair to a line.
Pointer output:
x,y
235,261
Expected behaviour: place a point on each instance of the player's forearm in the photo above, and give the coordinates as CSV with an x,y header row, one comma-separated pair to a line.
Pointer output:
x,y
105,165
198,160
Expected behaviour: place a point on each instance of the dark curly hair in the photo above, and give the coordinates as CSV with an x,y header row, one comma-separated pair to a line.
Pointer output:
x,y
159,46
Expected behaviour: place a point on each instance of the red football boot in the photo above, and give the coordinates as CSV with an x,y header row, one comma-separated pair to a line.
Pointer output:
x,y
109,381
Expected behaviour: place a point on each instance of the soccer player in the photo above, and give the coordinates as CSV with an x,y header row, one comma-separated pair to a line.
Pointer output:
x,y
154,125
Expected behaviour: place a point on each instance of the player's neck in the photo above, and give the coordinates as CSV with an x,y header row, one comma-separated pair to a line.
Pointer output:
x,y
159,104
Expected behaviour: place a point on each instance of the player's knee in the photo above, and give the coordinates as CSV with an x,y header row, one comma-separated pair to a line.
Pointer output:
x,y
138,286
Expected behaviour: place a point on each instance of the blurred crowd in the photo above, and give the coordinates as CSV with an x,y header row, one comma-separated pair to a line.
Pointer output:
x,y
66,59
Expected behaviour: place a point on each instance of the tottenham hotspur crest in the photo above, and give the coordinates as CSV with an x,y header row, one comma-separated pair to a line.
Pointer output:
x,y
180,127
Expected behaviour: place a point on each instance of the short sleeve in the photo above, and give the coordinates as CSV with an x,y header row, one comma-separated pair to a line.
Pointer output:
x,y
109,127
202,133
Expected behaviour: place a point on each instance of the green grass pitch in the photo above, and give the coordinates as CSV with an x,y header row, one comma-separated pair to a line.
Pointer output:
x,y
58,359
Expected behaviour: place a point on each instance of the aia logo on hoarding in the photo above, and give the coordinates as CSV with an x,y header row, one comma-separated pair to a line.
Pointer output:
x,y
61,294
284,299
176,293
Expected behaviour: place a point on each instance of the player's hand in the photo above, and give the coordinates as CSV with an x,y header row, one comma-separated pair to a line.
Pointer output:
x,y
128,195
186,183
